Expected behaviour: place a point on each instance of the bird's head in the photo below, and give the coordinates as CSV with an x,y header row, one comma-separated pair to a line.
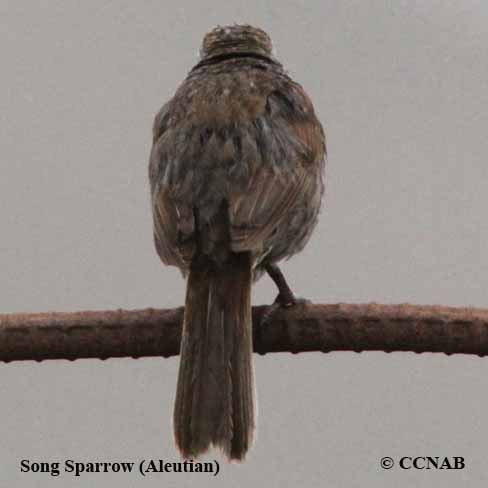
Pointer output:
x,y
236,39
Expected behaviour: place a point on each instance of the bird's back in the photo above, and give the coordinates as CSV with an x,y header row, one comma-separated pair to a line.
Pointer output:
x,y
238,130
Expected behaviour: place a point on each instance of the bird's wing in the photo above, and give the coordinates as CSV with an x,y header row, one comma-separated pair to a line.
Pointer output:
x,y
173,224
285,151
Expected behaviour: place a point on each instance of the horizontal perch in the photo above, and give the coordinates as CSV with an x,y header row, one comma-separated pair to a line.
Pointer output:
x,y
304,327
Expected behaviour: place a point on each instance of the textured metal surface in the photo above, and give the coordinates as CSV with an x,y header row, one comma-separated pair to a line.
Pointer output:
x,y
337,327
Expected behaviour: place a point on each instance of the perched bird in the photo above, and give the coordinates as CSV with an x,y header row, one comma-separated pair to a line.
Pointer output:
x,y
236,176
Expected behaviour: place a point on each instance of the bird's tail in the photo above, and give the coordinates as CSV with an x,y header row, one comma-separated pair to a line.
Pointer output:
x,y
215,392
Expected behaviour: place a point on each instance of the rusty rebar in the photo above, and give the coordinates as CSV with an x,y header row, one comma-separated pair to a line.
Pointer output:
x,y
337,327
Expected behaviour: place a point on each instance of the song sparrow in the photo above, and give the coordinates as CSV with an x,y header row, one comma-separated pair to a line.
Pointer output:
x,y
236,174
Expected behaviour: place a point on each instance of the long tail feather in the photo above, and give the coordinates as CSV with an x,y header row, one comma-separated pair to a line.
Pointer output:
x,y
215,391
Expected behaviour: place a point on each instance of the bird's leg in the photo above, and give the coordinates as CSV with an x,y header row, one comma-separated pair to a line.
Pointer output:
x,y
286,297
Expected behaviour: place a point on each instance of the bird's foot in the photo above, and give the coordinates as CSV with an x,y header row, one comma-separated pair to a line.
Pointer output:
x,y
282,302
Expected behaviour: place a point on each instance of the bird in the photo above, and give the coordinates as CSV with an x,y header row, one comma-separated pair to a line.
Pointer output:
x,y
237,173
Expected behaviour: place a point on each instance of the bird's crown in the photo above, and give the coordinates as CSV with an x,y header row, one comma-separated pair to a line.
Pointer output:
x,y
234,39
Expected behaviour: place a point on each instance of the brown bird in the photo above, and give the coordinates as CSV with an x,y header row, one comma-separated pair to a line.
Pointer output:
x,y
236,174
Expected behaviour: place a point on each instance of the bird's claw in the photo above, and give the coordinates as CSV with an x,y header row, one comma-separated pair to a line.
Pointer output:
x,y
281,302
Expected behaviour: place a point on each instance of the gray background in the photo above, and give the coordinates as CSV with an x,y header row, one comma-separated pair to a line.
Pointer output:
x,y
401,88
